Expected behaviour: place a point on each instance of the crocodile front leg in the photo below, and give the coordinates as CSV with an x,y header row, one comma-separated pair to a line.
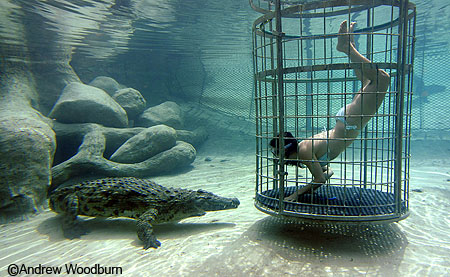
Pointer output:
x,y
71,227
145,229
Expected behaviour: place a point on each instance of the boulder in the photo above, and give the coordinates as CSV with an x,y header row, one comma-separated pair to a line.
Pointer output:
x,y
167,113
107,84
80,103
180,156
145,145
131,100
196,137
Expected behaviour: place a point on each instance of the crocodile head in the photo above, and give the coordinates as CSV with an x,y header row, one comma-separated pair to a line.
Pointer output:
x,y
205,201
197,203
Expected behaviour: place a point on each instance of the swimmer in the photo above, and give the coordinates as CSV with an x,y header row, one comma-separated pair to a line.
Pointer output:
x,y
317,151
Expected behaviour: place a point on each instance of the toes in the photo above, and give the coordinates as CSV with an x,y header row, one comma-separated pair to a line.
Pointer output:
x,y
152,242
352,25
343,27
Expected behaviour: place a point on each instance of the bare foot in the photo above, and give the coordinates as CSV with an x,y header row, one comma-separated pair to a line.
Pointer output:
x,y
345,40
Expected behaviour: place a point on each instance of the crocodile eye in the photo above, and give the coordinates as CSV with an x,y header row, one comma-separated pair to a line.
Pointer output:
x,y
202,191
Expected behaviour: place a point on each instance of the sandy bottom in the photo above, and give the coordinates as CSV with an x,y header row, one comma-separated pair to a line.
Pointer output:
x,y
246,242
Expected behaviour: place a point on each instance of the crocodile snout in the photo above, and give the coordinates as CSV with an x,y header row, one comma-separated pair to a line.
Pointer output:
x,y
235,202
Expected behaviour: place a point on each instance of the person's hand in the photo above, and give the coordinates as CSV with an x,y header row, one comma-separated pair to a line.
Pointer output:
x,y
311,186
328,172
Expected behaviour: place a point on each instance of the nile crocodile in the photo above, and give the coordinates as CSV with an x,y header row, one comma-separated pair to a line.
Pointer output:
x,y
143,200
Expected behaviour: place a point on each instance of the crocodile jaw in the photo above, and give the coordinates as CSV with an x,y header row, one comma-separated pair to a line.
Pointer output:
x,y
217,203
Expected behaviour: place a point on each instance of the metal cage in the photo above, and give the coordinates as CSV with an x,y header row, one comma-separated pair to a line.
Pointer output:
x,y
301,81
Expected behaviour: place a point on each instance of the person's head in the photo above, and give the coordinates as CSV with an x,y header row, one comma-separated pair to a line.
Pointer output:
x,y
290,146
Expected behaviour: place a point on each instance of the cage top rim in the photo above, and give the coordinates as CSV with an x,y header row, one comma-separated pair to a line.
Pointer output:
x,y
259,23
297,8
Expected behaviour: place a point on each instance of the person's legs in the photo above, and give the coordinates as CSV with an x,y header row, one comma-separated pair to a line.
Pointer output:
x,y
375,81
367,71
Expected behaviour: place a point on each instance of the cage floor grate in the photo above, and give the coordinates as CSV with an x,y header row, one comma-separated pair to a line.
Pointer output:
x,y
334,200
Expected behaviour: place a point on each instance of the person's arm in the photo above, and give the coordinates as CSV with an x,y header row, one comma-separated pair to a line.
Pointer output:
x,y
316,170
306,153
319,175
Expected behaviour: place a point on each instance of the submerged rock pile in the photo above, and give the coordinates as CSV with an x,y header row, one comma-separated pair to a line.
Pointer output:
x,y
100,117
98,129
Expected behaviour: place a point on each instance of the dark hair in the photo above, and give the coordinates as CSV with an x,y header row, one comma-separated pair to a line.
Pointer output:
x,y
290,144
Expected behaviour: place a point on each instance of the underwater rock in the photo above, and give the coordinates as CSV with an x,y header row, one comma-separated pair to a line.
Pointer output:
x,y
59,71
146,144
196,137
80,103
131,100
70,137
179,156
107,84
89,160
27,146
167,113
